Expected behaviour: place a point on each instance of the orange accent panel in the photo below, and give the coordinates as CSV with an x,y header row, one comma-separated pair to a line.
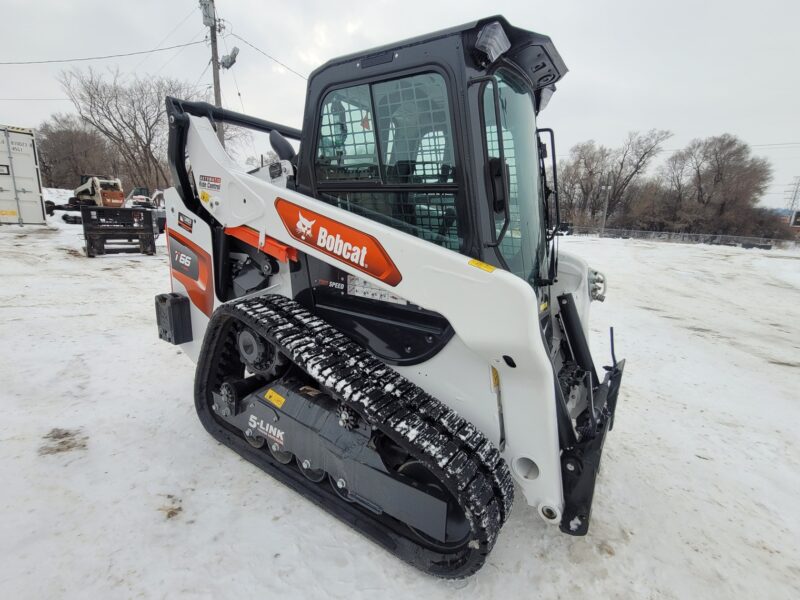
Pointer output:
x,y
342,242
271,246
201,291
112,198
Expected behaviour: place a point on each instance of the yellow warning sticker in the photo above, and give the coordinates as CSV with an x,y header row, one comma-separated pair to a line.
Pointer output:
x,y
481,265
8,213
274,397
204,196
543,306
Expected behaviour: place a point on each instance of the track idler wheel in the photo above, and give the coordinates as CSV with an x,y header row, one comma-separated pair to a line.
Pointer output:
x,y
340,487
282,456
256,441
315,475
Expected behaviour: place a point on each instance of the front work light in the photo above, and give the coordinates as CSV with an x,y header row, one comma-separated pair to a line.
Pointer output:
x,y
492,41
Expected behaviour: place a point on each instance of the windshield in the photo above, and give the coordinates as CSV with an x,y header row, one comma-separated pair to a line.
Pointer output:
x,y
524,245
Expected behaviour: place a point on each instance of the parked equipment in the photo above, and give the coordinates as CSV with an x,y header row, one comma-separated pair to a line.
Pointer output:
x,y
140,198
383,322
97,190
21,200
115,230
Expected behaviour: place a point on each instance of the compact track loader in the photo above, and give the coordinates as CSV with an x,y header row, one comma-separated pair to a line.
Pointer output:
x,y
382,320
98,190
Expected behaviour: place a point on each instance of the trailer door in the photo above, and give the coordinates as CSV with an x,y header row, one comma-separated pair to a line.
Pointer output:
x,y
21,199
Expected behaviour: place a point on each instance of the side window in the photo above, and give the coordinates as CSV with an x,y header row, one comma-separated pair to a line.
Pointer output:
x,y
408,145
347,149
414,129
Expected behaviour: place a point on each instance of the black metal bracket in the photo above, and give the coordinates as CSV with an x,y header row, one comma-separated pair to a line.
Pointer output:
x,y
581,463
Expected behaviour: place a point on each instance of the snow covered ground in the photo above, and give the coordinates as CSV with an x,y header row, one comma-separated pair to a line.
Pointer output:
x,y
130,497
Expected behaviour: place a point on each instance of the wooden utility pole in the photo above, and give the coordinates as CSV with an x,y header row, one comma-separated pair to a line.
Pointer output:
x,y
210,20
605,205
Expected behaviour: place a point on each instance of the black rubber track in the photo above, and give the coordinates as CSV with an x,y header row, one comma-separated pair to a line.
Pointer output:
x,y
464,461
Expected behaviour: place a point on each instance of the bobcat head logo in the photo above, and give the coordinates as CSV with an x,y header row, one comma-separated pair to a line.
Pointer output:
x,y
304,226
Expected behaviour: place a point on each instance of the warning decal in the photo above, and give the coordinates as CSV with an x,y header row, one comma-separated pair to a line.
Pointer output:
x,y
210,183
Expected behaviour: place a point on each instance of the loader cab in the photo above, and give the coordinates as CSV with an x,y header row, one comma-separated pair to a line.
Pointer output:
x,y
408,135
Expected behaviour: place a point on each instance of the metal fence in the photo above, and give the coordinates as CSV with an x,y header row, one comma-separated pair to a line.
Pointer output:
x,y
690,238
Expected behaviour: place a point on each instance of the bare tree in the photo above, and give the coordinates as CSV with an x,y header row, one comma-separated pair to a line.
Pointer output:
x,y
714,185
131,114
594,171
630,162
69,148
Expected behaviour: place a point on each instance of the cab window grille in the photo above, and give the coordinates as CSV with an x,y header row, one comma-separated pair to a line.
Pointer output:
x,y
408,145
346,149
511,243
430,216
414,129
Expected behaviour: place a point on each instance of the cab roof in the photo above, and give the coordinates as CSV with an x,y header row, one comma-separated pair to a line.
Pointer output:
x,y
533,52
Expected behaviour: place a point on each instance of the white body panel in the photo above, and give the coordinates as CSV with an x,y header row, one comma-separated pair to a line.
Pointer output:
x,y
200,235
494,314
21,200
573,278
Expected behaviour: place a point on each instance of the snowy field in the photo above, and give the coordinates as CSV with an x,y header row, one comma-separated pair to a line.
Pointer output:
x,y
130,498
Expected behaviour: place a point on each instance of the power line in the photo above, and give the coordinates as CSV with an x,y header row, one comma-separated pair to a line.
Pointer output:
x,y
66,60
178,53
173,30
272,58
32,99
235,83
196,83
776,144
241,100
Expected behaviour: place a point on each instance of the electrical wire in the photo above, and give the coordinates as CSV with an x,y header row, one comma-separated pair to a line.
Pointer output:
x,y
272,58
67,60
173,30
178,53
32,99
241,101
196,83
235,83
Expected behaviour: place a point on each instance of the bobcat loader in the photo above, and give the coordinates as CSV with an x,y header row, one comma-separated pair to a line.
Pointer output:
x,y
381,320
98,190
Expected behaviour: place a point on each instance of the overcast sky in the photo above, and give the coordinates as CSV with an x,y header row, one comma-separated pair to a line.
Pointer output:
x,y
695,67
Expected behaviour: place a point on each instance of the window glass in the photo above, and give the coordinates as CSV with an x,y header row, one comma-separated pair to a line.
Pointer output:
x,y
410,141
346,149
414,129
523,246
430,216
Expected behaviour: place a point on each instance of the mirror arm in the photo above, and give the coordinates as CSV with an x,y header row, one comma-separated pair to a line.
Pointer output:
x,y
553,266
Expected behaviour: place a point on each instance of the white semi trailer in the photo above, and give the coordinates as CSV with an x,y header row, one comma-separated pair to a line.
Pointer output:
x,y
21,200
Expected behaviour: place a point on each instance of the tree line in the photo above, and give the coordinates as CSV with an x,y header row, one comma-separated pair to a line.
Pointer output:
x,y
119,129
713,185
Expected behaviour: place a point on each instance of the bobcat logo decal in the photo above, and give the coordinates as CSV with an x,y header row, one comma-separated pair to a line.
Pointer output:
x,y
344,243
304,226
